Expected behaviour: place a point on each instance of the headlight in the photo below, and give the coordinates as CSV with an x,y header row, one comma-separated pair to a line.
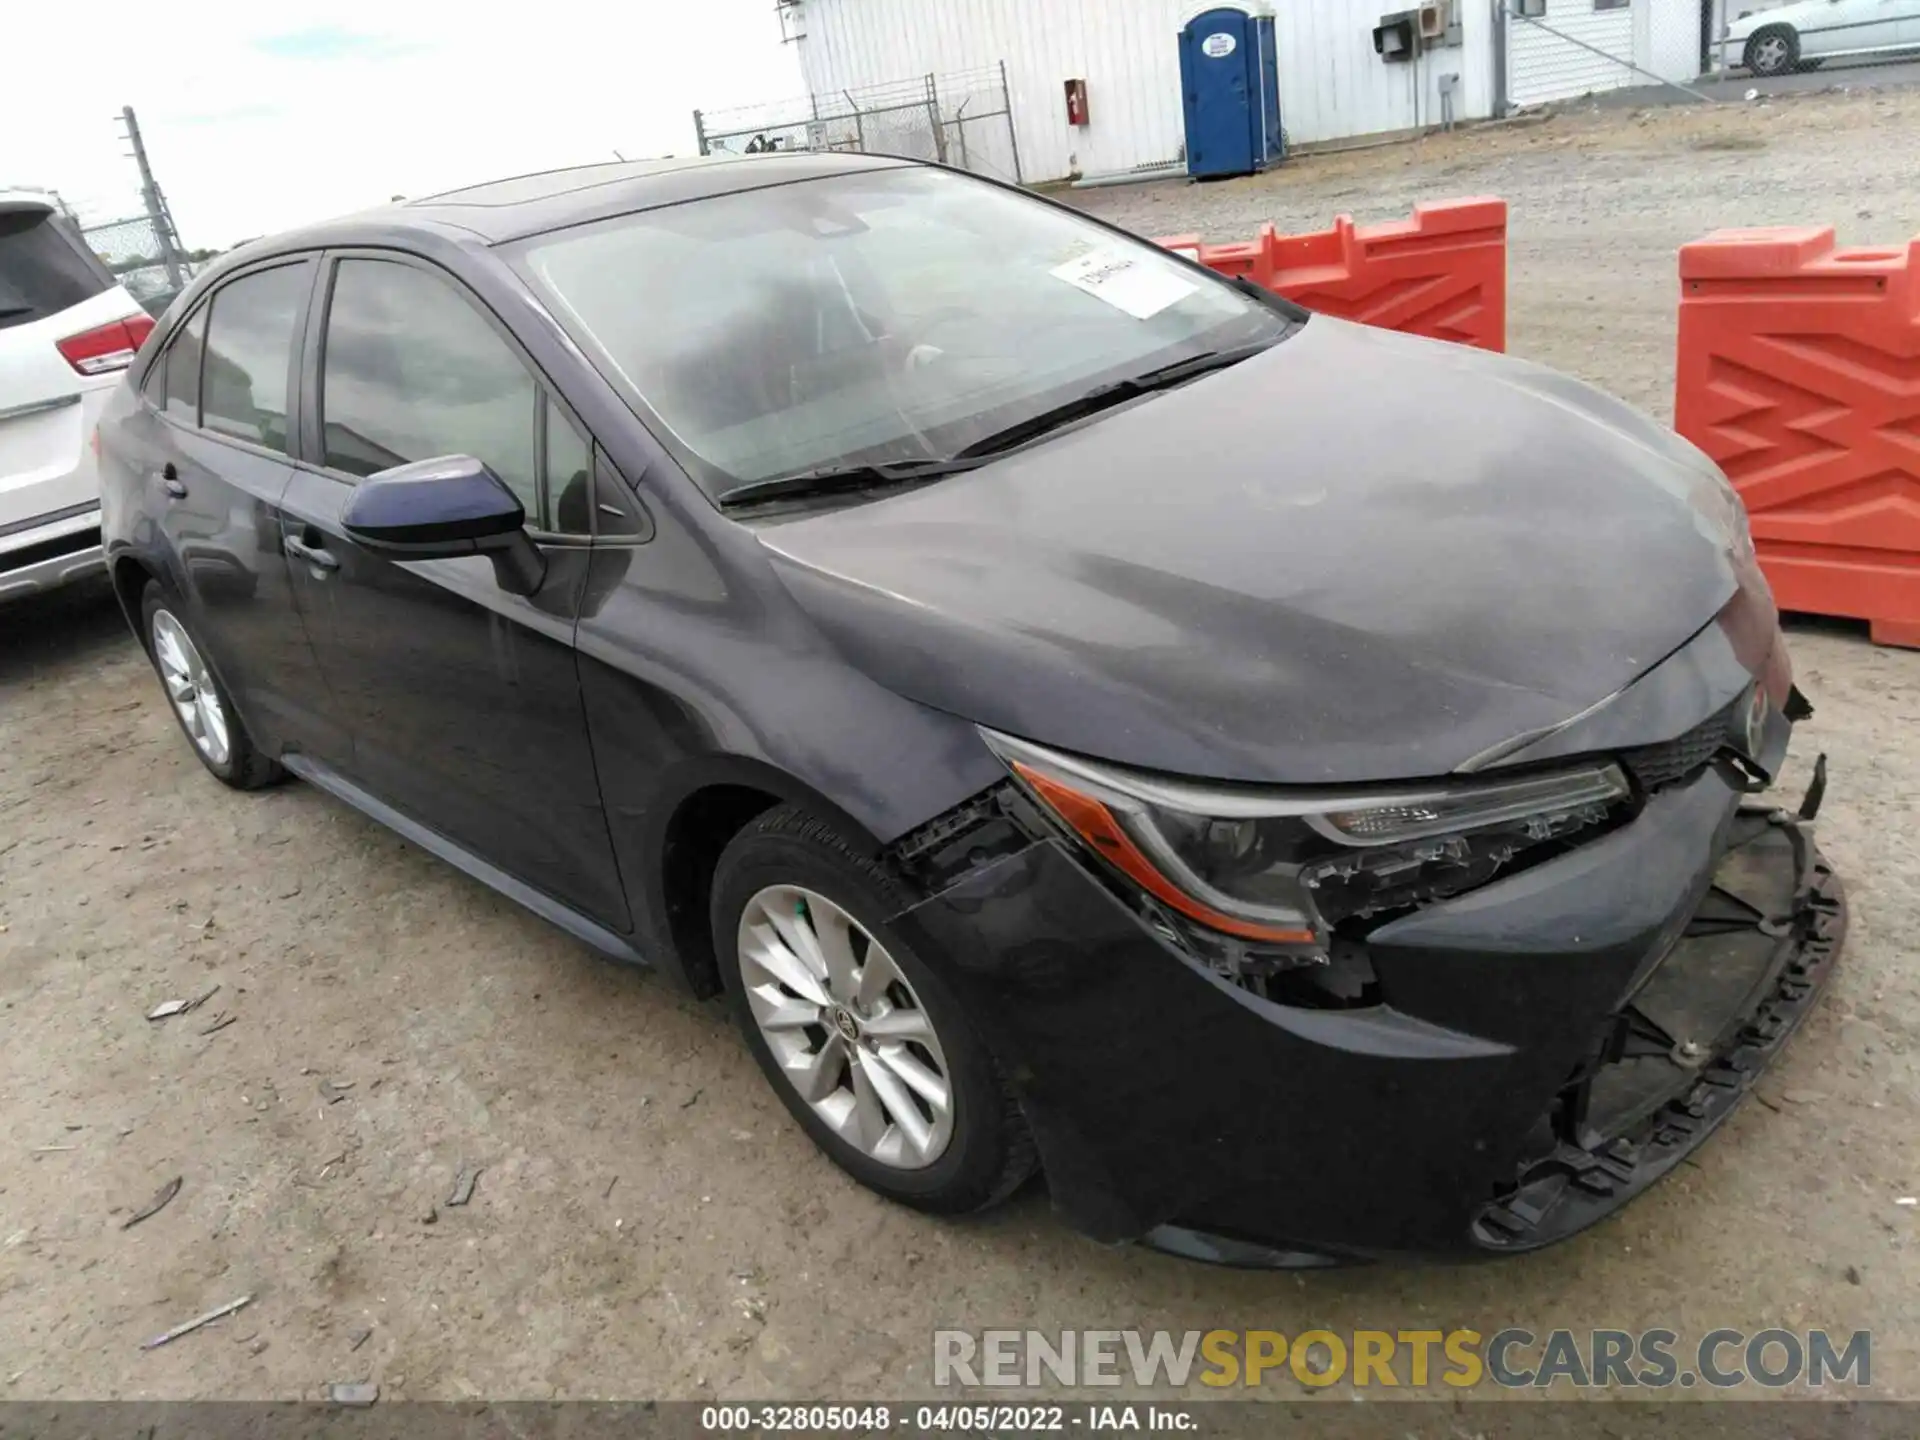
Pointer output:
x,y
1282,866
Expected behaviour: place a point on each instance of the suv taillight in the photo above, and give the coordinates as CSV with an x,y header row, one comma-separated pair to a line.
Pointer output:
x,y
110,347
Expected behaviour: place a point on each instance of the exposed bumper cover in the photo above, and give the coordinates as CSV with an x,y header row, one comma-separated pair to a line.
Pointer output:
x,y
1502,1096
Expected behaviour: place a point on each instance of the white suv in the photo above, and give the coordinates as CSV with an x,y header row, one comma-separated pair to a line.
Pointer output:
x,y
67,330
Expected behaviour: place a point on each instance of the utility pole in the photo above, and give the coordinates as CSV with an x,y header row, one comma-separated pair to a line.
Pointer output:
x,y
156,204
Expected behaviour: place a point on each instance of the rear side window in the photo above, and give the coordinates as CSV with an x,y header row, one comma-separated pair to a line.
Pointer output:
x,y
249,346
44,268
412,371
173,385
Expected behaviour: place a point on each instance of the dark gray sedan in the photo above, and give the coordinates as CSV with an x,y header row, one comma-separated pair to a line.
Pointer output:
x,y
1291,783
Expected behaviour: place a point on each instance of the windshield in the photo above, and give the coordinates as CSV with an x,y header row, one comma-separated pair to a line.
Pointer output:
x,y
879,317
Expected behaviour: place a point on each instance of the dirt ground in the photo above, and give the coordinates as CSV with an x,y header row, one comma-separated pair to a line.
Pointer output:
x,y
648,1222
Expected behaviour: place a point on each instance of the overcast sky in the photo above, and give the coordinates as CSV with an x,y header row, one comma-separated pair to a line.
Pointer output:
x,y
262,116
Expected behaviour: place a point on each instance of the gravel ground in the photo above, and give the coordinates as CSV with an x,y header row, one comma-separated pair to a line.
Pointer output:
x,y
648,1222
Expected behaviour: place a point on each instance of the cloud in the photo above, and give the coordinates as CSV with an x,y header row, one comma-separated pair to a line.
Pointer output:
x,y
231,115
260,118
334,42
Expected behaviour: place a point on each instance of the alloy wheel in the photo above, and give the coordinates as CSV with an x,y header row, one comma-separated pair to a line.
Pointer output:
x,y
190,688
845,1027
1770,55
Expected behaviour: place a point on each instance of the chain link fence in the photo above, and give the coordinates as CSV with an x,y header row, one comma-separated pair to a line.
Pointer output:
x,y
141,259
962,118
1560,49
1711,49
1767,40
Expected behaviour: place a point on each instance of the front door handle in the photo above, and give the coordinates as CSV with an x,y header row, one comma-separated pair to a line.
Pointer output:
x,y
170,482
314,555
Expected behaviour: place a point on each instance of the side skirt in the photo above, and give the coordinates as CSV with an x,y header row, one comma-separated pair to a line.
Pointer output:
x,y
324,777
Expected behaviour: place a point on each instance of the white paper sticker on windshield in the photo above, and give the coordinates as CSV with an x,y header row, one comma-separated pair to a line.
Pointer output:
x,y
1141,288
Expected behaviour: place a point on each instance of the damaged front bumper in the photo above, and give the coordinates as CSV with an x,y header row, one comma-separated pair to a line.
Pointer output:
x,y
1536,1052
1691,1039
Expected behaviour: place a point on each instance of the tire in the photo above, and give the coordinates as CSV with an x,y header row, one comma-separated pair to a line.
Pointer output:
x,y
790,875
199,702
1773,51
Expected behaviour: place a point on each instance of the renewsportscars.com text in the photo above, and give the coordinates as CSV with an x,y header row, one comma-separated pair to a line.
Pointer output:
x,y
1512,1358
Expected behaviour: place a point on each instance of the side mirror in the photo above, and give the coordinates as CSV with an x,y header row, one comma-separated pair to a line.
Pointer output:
x,y
448,506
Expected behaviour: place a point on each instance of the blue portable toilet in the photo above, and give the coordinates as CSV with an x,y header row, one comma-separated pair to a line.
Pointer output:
x,y
1230,77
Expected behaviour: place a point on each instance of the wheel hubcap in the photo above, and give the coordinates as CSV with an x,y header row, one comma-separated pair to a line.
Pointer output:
x,y
190,688
1772,53
845,1028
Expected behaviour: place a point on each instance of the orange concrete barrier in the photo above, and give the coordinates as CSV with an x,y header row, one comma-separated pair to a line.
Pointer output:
x,y
1799,372
1443,273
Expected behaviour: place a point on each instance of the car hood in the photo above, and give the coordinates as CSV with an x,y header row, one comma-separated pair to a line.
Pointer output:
x,y
1357,556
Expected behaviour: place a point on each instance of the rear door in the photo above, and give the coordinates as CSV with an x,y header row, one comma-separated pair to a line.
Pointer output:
x,y
464,698
209,444
51,289
1851,25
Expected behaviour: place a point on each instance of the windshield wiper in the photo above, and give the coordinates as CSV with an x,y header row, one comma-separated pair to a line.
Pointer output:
x,y
1105,397
834,479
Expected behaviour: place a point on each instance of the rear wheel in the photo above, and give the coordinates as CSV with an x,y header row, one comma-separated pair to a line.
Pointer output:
x,y
1773,52
200,704
865,1045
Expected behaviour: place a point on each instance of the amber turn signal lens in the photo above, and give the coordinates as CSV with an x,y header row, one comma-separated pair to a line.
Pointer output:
x,y
1094,823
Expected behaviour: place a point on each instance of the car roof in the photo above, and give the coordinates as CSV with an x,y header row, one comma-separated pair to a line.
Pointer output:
x,y
523,205
17,198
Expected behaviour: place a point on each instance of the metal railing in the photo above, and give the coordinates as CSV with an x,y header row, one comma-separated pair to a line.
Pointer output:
x,y
962,118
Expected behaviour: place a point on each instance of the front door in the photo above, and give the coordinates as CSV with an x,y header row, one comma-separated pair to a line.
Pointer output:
x,y
464,698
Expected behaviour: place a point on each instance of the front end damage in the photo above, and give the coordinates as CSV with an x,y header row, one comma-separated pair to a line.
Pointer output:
x,y
1691,1039
1479,1074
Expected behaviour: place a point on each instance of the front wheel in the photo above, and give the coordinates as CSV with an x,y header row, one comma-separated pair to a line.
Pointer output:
x,y
864,1044
1773,52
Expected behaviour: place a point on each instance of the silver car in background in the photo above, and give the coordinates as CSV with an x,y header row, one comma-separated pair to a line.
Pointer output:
x,y
1799,36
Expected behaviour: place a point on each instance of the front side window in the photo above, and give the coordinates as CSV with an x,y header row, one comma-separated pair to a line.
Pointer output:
x,y
249,348
615,516
569,481
879,316
411,371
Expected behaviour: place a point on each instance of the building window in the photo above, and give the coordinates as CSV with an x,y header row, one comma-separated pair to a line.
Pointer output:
x,y
1612,4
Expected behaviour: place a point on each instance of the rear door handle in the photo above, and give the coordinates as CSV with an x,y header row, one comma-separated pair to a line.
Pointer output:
x,y
313,554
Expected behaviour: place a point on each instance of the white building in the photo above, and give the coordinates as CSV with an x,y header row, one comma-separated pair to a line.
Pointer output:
x,y
1333,86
